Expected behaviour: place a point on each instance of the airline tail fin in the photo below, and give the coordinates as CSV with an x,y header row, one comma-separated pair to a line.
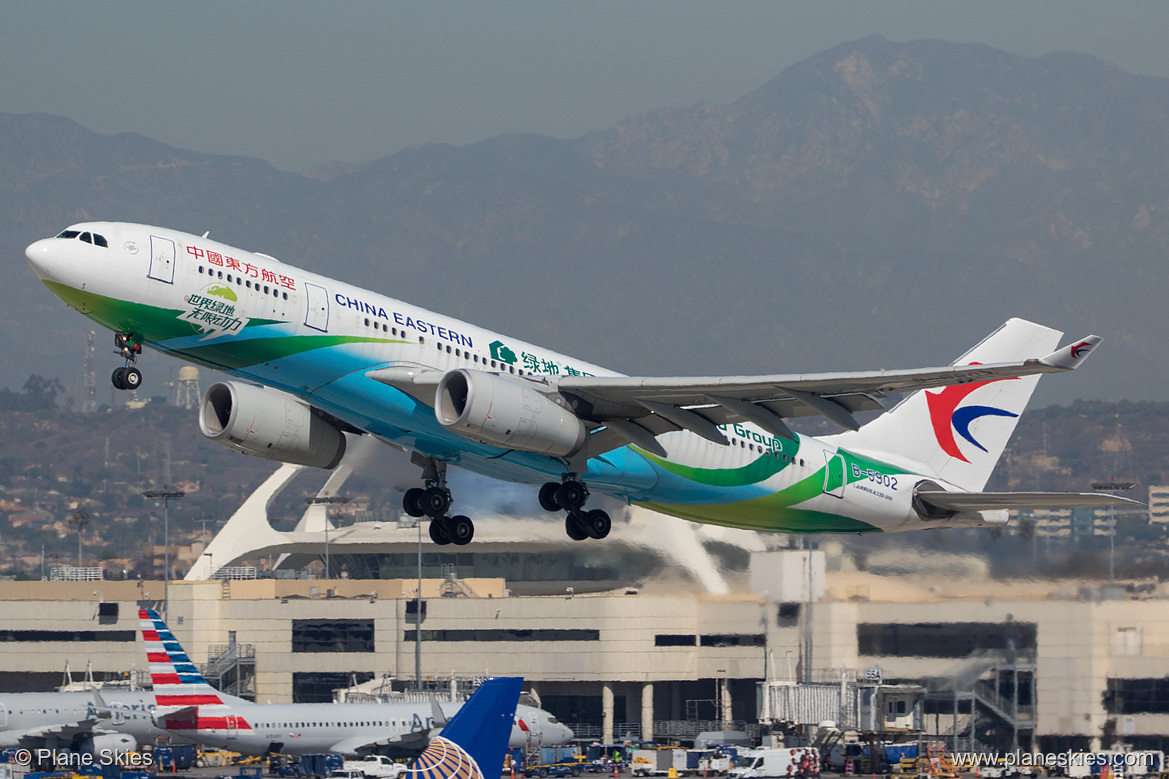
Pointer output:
x,y
184,699
472,744
958,433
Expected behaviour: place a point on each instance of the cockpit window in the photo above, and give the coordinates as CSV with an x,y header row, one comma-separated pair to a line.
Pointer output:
x,y
94,238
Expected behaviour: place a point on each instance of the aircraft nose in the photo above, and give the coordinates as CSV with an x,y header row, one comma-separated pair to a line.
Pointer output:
x,y
41,255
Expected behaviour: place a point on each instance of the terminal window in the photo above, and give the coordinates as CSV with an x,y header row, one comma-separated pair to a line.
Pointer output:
x,y
669,639
733,639
506,635
1137,696
943,639
332,635
318,687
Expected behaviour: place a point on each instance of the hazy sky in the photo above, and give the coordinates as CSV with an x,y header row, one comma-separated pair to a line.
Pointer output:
x,y
300,83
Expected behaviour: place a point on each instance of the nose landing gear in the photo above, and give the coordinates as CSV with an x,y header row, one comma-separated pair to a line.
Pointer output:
x,y
570,496
127,377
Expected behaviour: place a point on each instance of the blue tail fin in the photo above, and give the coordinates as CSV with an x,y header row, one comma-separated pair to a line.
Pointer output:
x,y
472,744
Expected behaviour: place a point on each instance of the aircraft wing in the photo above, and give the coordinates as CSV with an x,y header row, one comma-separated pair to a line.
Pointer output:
x,y
635,409
985,501
58,733
416,740
621,410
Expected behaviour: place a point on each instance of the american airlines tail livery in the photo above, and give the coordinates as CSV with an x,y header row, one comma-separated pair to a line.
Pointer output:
x,y
315,360
188,707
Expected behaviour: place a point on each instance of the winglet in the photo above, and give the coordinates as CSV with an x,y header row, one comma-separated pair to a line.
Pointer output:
x,y
472,744
1069,357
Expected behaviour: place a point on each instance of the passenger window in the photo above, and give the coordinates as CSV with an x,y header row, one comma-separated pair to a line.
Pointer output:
x,y
100,240
85,237
229,278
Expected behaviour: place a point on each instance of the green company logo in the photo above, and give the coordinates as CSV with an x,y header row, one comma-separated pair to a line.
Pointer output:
x,y
502,353
212,310
221,291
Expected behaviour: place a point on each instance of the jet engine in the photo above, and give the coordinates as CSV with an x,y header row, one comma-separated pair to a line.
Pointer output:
x,y
106,744
506,412
270,424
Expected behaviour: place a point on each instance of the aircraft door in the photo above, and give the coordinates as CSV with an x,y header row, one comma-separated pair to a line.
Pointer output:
x,y
162,259
834,475
3,716
232,726
317,315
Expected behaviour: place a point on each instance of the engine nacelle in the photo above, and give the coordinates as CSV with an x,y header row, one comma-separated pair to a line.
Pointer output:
x,y
506,412
269,424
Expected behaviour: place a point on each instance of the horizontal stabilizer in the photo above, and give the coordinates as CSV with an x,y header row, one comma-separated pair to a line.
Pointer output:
x,y
990,501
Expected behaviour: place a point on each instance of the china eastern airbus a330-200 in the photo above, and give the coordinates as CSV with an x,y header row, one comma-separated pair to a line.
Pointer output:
x,y
316,360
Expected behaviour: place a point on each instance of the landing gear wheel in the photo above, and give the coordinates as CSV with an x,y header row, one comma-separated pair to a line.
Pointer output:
x,y
117,378
596,523
460,530
574,529
571,495
132,378
412,502
438,532
435,502
548,492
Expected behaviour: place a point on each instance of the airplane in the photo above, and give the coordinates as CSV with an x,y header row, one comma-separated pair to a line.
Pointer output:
x,y
79,721
314,359
188,707
472,744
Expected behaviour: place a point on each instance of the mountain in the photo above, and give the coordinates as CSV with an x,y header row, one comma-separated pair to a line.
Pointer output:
x,y
880,204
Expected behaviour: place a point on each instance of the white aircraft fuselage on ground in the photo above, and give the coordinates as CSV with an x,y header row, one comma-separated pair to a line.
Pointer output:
x,y
190,708
317,359
77,720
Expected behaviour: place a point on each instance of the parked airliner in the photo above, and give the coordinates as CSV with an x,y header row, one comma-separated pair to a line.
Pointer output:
x,y
188,707
318,359
78,721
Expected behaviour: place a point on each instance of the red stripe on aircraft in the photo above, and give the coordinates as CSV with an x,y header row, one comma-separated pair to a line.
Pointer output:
x,y
186,700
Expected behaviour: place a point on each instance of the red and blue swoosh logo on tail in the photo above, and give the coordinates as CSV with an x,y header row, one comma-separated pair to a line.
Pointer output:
x,y
948,418
178,685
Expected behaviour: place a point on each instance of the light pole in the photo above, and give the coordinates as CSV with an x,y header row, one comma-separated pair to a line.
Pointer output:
x,y
79,520
166,496
1112,486
313,500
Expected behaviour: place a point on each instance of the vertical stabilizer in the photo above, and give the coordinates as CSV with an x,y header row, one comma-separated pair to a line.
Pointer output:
x,y
472,744
958,433
184,699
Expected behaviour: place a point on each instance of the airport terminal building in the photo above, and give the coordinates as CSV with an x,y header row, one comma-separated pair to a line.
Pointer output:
x,y
1046,665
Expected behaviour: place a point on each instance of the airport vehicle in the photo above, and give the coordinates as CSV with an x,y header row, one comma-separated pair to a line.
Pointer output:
x,y
315,359
190,708
777,763
372,767
547,761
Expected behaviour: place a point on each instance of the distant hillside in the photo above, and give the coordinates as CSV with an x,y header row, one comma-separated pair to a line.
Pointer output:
x,y
880,204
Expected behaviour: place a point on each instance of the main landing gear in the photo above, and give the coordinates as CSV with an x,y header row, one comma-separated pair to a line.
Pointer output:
x,y
434,501
570,495
128,377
